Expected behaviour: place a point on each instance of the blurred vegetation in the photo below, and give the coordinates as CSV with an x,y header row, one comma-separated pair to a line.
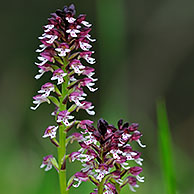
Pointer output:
x,y
144,49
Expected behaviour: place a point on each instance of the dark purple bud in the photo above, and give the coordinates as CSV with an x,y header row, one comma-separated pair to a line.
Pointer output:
x,y
132,180
116,174
91,153
73,156
71,10
83,145
120,123
59,13
136,170
102,126
90,128
127,149
81,176
81,18
117,134
133,127
135,136
126,125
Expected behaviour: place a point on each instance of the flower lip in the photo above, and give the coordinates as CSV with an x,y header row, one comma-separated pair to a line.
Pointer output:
x,y
39,99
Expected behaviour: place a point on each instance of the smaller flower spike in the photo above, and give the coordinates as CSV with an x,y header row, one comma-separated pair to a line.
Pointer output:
x,y
106,154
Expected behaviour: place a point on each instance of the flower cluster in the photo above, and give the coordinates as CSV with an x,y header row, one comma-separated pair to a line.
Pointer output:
x,y
106,156
65,45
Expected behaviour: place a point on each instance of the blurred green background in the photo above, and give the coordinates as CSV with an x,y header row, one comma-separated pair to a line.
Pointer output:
x,y
144,50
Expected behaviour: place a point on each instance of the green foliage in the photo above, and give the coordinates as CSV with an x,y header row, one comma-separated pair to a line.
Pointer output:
x,y
165,148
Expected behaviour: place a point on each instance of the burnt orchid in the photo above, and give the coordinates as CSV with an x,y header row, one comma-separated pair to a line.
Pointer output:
x,y
106,152
65,47
107,157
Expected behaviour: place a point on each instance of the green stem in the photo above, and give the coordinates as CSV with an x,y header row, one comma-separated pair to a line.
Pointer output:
x,y
100,188
62,142
101,185
61,154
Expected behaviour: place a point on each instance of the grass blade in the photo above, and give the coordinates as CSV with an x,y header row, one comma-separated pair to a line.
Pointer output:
x,y
165,148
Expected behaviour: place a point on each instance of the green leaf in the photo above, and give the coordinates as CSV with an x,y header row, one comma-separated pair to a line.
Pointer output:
x,y
73,55
68,140
54,100
72,108
57,91
58,59
70,182
93,180
165,148
54,163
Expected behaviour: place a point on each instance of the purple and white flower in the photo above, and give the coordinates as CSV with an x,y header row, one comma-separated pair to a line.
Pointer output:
x,y
76,97
58,75
86,106
73,31
39,99
47,163
47,89
79,177
85,46
82,124
64,116
51,132
88,82
43,68
76,66
63,49
87,56
42,61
